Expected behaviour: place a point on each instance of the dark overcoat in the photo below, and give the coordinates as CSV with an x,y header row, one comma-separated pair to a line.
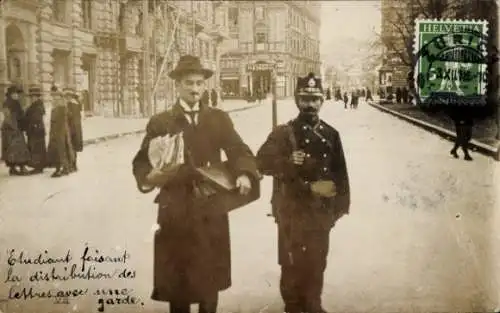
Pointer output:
x,y
35,131
192,252
75,124
14,148
294,205
59,151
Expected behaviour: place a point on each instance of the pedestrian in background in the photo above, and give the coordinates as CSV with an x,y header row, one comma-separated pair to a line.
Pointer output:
x,y
306,159
462,117
15,151
205,98
214,98
74,124
346,99
59,151
192,250
35,131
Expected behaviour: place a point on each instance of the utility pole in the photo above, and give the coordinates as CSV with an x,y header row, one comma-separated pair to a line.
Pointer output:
x,y
145,60
274,102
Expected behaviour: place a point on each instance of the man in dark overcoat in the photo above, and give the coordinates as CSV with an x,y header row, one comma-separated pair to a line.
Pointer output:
x,y
74,123
463,118
35,130
60,153
192,252
311,192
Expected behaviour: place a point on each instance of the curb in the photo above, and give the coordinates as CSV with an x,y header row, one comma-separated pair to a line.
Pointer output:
x,y
444,133
136,132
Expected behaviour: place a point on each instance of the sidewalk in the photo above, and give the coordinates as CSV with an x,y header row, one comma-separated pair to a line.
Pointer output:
x,y
97,128
491,149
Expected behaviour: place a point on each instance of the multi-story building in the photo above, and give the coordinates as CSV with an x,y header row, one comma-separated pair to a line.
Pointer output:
x,y
111,50
269,35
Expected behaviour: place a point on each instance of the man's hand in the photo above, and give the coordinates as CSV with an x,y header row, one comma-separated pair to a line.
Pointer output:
x,y
244,184
298,157
324,188
154,177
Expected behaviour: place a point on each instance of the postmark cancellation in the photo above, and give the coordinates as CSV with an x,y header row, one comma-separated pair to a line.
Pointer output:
x,y
451,60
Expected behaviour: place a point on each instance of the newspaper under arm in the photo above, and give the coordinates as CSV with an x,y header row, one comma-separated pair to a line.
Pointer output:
x,y
166,155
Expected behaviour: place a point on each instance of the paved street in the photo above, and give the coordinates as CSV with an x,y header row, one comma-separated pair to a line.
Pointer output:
x,y
419,238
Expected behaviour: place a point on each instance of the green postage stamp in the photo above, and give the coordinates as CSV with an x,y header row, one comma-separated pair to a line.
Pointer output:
x,y
451,60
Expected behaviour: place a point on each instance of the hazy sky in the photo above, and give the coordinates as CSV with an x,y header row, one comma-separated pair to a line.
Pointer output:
x,y
347,26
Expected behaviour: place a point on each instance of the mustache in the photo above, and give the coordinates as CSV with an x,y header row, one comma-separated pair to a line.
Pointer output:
x,y
194,94
309,110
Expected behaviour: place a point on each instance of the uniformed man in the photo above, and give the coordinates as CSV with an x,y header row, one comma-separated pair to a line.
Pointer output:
x,y
311,192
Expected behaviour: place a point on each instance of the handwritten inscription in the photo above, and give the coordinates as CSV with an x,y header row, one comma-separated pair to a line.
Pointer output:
x,y
40,275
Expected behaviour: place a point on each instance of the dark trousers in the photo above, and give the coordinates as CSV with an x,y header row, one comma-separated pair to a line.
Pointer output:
x,y
209,305
464,135
302,267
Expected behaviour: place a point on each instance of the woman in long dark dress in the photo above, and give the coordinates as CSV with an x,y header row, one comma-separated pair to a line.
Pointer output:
x,y
35,130
59,151
15,151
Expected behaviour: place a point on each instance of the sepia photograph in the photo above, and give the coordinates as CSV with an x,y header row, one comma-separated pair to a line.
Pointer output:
x,y
181,156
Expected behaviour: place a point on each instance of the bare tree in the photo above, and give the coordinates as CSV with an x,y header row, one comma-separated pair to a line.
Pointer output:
x,y
402,21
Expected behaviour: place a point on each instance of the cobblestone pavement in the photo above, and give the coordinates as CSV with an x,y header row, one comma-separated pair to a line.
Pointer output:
x,y
419,237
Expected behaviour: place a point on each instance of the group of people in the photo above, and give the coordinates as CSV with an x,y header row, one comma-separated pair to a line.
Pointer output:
x,y
353,99
24,132
310,194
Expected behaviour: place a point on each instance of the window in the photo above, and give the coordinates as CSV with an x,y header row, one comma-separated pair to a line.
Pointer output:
x,y
87,14
233,16
59,10
260,38
14,68
259,13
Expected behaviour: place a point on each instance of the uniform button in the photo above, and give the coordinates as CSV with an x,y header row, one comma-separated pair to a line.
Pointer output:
x,y
308,155
320,126
323,140
325,155
304,127
307,140
325,169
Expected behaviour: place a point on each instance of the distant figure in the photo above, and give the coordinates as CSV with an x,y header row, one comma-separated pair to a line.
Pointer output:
x,y
464,123
213,97
60,152
15,151
404,95
346,99
328,94
368,95
205,98
35,131
74,124
398,95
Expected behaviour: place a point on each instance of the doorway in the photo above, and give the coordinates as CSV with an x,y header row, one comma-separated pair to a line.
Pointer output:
x,y
89,83
261,81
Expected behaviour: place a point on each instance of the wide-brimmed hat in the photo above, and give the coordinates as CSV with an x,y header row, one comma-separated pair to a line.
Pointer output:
x,y
35,91
189,64
69,91
309,86
14,89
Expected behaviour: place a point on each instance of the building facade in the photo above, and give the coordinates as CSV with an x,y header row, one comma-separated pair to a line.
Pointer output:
x,y
266,34
113,51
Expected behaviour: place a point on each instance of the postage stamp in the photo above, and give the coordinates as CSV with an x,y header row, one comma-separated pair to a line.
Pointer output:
x,y
451,60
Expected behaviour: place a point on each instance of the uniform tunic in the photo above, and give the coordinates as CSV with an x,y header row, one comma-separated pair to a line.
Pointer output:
x,y
192,251
304,220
